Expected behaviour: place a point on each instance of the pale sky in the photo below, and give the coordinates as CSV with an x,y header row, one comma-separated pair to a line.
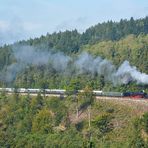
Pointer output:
x,y
22,19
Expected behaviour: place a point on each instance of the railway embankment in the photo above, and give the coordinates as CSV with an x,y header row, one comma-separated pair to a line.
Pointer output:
x,y
138,105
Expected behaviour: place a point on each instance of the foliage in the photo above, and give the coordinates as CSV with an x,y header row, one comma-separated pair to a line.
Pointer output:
x,y
138,140
145,122
23,124
85,98
132,48
42,122
102,122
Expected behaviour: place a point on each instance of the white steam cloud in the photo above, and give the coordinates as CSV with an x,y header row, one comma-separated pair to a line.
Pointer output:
x,y
127,72
27,55
123,75
84,63
89,64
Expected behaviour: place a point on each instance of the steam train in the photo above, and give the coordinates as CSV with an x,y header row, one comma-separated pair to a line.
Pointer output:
x,y
133,95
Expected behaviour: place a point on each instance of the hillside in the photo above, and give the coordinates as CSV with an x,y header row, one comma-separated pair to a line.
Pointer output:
x,y
73,74
132,48
27,121
57,60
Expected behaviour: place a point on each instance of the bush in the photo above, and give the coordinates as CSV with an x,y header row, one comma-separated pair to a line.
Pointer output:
x,y
103,123
79,126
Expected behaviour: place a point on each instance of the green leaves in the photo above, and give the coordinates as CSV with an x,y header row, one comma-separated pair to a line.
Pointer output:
x,y
43,122
102,122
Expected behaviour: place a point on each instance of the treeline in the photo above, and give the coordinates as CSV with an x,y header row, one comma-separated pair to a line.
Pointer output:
x,y
114,30
71,41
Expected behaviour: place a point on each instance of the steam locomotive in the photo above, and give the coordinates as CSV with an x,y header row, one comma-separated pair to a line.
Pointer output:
x,y
133,95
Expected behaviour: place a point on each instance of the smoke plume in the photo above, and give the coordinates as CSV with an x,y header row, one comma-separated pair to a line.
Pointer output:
x,y
127,73
123,75
82,64
27,55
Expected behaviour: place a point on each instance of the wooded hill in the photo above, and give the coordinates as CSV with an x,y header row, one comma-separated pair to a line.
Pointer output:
x,y
116,41
76,120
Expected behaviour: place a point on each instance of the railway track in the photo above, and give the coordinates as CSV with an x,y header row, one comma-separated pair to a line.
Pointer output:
x,y
97,97
63,93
